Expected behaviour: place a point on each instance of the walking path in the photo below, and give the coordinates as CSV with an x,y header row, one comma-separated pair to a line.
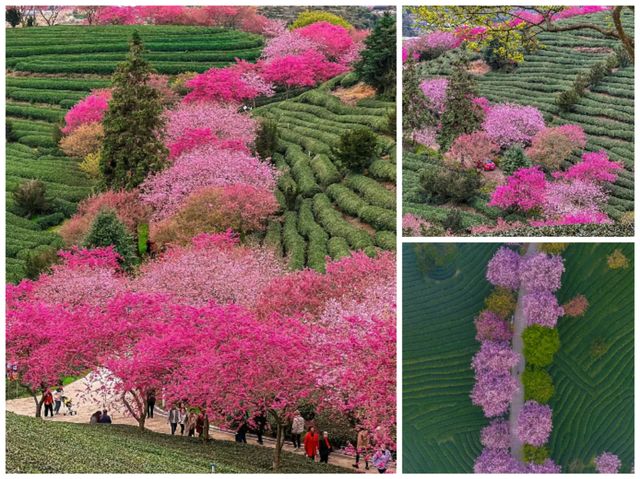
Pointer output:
x,y
519,324
88,403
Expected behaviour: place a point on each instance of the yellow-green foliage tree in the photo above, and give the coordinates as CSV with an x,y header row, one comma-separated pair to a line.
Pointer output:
x,y
502,302
312,16
511,38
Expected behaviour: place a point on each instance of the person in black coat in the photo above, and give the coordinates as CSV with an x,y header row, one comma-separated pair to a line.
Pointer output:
x,y
325,448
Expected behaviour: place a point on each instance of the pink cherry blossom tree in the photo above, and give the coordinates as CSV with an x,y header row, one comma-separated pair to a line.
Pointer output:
x,y
541,272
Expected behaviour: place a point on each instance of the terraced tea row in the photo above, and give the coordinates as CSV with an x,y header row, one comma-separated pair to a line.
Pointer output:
x,y
594,369
171,49
332,214
440,425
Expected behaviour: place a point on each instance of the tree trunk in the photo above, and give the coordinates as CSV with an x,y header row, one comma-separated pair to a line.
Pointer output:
x,y
277,452
205,429
38,403
142,407
627,43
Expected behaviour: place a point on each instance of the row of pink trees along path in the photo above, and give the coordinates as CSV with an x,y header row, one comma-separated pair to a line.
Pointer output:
x,y
538,276
209,321
250,339
533,274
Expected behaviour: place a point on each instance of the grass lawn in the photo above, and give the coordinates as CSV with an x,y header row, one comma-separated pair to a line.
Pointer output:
x,y
79,448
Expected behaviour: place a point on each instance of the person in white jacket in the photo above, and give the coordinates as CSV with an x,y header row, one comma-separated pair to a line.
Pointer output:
x,y
297,428
173,418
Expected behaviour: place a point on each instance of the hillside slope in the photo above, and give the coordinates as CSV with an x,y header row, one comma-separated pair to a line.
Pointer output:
x,y
49,70
332,214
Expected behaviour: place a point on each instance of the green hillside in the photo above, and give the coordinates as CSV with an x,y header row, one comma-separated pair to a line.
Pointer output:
x,y
332,214
441,428
50,69
593,404
39,446
606,112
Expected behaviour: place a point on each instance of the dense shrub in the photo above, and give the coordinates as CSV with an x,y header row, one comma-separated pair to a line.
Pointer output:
x,y
91,165
449,183
126,204
179,83
538,385
30,198
472,150
536,455
312,16
40,261
107,230
242,208
84,140
567,99
89,110
553,248
452,222
540,345
356,150
502,302
514,159
617,260
594,167
10,135
576,306
551,146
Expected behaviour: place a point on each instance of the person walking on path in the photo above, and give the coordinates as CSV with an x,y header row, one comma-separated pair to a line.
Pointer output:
x,y
105,418
311,443
151,403
241,433
57,399
381,459
261,424
173,418
182,419
297,428
200,424
191,423
363,444
325,448
48,402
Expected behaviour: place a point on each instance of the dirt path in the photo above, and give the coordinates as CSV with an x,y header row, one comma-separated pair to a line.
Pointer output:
x,y
87,403
519,324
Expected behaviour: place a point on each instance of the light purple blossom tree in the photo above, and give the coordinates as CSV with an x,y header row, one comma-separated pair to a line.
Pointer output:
x,y
502,269
496,435
542,308
493,392
534,423
607,463
497,461
491,327
494,356
541,272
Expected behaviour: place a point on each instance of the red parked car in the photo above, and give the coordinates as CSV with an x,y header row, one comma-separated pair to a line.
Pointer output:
x,y
488,165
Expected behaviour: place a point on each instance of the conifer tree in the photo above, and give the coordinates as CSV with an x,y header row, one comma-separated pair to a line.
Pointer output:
x,y
377,65
461,115
132,147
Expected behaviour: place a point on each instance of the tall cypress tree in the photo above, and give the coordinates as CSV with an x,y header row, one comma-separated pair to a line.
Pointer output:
x,y
461,115
377,65
131,148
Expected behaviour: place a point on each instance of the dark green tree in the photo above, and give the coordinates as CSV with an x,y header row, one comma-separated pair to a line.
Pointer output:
x,y
132,148
356,150
461,115
107,230
30,198
416,112
266,139
377,65
13,16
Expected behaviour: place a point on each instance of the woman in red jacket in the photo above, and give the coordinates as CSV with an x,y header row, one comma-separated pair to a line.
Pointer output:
x,y
48,402
311,443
